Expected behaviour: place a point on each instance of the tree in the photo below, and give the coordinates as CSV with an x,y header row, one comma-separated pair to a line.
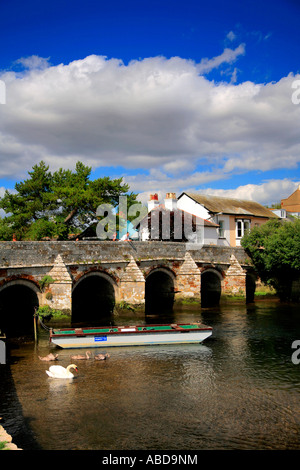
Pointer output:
x,y
275,252
57,204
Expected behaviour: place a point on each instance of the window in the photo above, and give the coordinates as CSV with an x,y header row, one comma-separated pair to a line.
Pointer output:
x,y
242,225
221,229
239,230
246,225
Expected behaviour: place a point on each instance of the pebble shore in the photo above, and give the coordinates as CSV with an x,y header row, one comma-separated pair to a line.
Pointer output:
x,y
4,437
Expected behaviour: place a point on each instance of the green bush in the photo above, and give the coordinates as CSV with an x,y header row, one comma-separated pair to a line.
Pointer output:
x,y
46,281
274,249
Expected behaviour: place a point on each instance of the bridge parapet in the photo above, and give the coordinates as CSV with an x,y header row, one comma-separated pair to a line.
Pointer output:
x,y
127,265
39,254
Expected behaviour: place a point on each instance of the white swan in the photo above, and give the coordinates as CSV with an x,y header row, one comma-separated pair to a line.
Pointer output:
x,y
60,372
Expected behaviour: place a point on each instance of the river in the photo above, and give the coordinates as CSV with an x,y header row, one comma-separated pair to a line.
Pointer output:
x,y
238,390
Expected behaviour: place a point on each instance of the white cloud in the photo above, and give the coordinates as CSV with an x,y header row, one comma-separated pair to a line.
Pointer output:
x,y
228,56
231,36
265,193
33,62
155,114
157,179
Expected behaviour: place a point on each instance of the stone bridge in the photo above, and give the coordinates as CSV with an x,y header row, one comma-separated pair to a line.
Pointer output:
x,y
86,279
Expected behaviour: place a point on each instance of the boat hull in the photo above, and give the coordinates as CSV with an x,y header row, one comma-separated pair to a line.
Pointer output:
x,y
131,336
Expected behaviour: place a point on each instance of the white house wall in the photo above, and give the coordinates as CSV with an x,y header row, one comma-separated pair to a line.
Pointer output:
x,y
210,236
187,204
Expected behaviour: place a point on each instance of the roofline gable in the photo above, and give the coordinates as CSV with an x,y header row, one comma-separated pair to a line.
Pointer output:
x,y
239,207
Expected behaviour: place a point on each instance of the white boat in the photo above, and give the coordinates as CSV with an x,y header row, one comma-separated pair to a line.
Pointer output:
x,y
136,335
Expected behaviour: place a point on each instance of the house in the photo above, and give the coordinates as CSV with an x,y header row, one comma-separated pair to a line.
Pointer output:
x,y
233,216
281,213
292,203
168,222
284,215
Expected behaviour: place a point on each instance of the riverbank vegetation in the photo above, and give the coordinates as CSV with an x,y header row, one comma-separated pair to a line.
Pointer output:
x,y
274,249
47,313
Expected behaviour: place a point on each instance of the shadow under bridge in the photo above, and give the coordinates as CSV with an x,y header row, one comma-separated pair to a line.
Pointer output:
x,y
93,299
159,292
18,301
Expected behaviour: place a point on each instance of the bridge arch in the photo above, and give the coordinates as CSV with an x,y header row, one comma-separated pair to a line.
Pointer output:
x,y
18,300
211,287
160,286
250,286
93,298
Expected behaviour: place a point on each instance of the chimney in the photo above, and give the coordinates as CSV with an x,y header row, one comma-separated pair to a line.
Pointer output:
x,y
153,202
171,201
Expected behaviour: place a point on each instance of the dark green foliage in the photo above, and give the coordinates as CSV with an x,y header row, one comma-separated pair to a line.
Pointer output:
x,y
275,252
56,204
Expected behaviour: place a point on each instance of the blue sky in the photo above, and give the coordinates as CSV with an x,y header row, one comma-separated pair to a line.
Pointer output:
x,y
171,95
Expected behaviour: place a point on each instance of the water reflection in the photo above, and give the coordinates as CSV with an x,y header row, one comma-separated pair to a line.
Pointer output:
x,y
238,390
12,417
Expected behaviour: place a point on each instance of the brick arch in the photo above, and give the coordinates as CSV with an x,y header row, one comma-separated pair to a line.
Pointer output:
x,y
97,272
215,270
19,297
26,280
162,281
94,300
211,286
251,278
161,268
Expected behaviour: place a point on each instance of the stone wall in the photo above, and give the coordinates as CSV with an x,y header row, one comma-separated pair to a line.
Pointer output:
x,y
125,264
235,280
189,278
44,254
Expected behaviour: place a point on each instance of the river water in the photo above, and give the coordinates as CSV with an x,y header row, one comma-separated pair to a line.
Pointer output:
x,y
238,390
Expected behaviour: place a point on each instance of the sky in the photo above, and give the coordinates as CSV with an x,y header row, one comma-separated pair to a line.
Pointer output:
x,y
171,95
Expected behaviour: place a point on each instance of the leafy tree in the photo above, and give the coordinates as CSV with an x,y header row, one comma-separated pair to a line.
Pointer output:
x,y
57,204
275,252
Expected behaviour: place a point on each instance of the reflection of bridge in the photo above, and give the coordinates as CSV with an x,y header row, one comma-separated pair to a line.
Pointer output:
x,y
89,277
